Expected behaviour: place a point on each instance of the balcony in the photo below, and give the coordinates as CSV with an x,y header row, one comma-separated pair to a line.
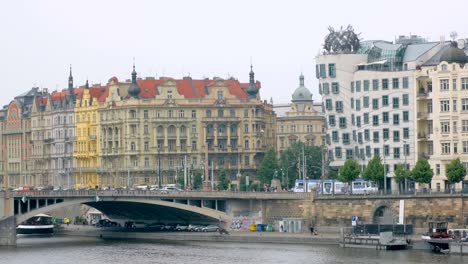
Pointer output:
x,y
422,95
221,119
425,155
423,115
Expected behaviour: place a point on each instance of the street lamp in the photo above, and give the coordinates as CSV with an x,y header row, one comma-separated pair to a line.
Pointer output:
x,y
159,168
385,167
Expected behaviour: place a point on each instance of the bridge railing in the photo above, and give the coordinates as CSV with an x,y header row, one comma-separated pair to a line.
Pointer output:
x,y
168,194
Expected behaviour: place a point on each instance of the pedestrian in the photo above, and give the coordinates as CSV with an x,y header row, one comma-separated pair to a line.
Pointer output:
x,y
281,228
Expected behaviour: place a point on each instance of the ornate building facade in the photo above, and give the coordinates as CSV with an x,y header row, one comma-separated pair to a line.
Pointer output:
x,y
142,131
302,120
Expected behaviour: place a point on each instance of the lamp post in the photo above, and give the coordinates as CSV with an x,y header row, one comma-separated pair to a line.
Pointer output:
x,y
404,153
385,168
159,168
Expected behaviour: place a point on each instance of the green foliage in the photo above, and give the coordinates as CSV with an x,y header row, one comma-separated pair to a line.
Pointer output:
x,y
350,171
455,171
422,172
333,175
180,178
374,170
197,180
255,186
242,186
289,162
223,180
401,173
268,167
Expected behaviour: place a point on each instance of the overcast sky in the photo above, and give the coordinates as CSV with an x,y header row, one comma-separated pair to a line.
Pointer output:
x,y
202,38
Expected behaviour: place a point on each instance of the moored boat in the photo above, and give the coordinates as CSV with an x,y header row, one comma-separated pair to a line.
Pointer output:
x,y
437,237
38,224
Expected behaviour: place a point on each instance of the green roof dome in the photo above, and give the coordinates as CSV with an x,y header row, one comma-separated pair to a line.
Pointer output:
x,y
301,93
454,55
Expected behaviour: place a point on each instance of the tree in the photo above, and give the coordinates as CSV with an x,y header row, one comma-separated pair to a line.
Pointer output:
x,y
332,175
374,170
455,171
350,171
291,161
180,179
223,180
401,174
422,172
197,180
268,167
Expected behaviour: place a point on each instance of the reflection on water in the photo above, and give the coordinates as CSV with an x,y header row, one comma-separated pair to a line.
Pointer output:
x,y
91,251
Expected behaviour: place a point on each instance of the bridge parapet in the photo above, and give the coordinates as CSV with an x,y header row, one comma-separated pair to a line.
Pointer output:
x,y
169,195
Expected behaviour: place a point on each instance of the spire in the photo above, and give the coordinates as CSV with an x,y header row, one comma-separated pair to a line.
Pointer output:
x,y
70,79
134,89
87,84
252,89
301,80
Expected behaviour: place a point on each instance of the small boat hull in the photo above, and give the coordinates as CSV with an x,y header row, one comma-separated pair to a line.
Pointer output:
x,y
34,230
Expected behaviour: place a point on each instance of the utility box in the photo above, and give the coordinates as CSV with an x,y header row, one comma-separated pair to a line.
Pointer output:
x,y
293,225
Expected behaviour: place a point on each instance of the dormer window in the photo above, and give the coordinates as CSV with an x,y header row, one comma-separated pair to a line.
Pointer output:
x,y
444,67
220,95
169,94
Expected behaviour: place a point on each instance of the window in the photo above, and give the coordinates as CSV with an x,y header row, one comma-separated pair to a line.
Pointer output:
x,y
146,130
194,129
365,102
445,148
396,83
335,88
385,117
406,149
455,148
445,127
246,144
405,82
145,114
454,84
339,106
375,103
444,105
345,138
208,113
349,154
396,102
386,150
464,83
169,94
405,99
352,103
437,169
326,88
358,86
465,146
220,113
444,84
246,113
194,145
317,71
338,152
396,119
246,128
352,87
405,116
132,146
406,133
384,84
385,100
358,121
331,120
328,104
366,85
181,113
323,73
375,120
360,137
396,153
366,118
332,70
232,113
342,122
464,104
220,95
375,85
366,134
396,136
464,125
170,114
376,136
335,136
376,152
454,129
358,105
194,113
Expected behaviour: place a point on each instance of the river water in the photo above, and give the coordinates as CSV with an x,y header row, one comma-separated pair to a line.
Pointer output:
x,y
68,249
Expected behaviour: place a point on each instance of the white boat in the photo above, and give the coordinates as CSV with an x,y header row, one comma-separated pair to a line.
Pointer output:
x,y
38,224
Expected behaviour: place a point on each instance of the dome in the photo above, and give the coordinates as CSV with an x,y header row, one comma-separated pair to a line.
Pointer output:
x,y
134,90
301,93
454,55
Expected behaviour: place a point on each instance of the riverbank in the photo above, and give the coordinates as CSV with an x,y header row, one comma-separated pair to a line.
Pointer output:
x,y
234,236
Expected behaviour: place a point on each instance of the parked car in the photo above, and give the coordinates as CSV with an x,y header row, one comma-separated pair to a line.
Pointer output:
x,y
181,227
193,228
134,225
170,227
106,223
210,228
155,226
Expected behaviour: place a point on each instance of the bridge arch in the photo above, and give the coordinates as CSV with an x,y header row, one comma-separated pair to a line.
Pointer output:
x,y
138,209
384,214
